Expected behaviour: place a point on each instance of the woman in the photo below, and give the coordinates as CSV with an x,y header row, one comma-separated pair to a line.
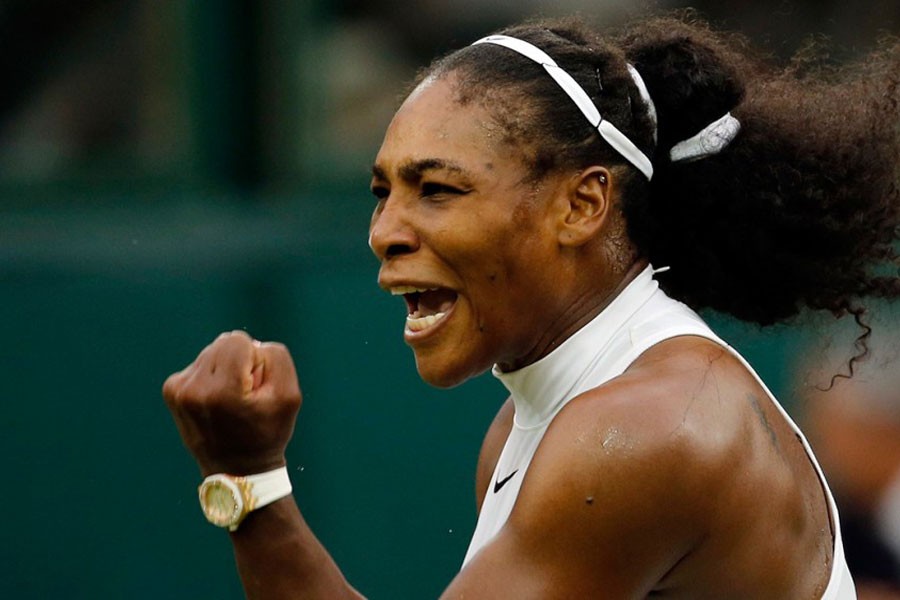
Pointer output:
x,y
524,188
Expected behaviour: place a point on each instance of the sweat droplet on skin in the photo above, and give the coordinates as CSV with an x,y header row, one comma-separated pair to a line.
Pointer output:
x,y
615,441
610,438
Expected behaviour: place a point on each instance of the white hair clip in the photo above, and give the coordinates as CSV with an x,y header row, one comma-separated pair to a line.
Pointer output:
x,y
710,140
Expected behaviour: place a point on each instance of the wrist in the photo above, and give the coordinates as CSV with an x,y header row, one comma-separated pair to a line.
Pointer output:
x,y
240,466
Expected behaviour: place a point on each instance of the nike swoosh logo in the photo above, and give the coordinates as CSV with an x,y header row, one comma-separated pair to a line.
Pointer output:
x,y
500,484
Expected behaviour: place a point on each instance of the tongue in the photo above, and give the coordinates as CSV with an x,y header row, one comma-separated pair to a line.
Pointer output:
x,y
435,301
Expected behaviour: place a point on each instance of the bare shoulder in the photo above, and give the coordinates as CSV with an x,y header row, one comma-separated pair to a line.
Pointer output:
x,y
672,422
661,468
684,401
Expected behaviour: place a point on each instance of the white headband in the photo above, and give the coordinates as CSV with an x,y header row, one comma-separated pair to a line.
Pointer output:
x,y
608,131
710,140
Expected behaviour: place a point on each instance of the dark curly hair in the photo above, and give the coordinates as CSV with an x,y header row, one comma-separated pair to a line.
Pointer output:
x,y
801,210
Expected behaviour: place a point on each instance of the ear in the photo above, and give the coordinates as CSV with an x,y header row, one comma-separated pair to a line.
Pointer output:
x,y
587,207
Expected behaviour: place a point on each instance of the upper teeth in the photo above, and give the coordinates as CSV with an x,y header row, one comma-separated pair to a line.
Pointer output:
x,y
408,289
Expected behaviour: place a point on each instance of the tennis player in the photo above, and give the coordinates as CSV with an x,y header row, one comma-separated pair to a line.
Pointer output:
x,y
553,204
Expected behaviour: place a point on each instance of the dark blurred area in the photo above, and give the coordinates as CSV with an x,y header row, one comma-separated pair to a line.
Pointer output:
x,y
854,424
170,169
274,93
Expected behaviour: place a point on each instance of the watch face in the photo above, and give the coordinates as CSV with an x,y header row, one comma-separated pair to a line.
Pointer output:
x,y
221,502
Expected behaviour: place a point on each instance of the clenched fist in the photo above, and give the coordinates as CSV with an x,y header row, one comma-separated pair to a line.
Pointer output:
x,y
236,405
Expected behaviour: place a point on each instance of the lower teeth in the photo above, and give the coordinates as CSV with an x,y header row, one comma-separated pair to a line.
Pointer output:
x,y
421,323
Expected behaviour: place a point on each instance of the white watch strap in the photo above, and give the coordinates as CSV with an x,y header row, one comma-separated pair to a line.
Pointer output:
x,y
266,488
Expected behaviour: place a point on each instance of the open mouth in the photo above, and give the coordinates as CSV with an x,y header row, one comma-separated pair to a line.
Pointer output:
x,y
425,307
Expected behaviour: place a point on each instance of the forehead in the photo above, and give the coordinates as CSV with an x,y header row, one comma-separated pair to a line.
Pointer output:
x,y
432,127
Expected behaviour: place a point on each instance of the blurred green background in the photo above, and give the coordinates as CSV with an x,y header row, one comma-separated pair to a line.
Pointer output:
x,y
170,170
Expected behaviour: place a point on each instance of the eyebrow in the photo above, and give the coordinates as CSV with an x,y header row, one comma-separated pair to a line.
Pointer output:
x,y
413,170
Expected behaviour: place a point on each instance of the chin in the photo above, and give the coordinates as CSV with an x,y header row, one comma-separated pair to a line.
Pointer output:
x,y
442,380
445,376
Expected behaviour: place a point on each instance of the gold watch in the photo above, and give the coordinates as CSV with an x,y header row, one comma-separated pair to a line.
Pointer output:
x,y
227,499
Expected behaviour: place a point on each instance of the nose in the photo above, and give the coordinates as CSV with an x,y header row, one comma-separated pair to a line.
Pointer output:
x,y
390,232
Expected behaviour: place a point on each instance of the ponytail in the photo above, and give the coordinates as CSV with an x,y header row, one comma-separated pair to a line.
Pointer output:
x,y
801,209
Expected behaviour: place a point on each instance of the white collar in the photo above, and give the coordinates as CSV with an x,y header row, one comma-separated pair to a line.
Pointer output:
x,y
538,390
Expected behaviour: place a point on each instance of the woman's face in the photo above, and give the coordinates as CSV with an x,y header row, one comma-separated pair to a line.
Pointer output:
x,y
464,236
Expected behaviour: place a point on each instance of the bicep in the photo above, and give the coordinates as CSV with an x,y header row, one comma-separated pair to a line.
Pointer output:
x,y
561,543
540,565
501,569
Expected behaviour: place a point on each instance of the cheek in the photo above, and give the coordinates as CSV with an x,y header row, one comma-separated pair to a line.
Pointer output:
x,y
508,258
495,251
504,288
519,259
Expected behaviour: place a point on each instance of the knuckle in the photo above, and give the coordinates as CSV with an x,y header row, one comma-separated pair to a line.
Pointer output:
x,y
198,388
184,394
238,335
173,385
234,341
168,386
275,348
279,353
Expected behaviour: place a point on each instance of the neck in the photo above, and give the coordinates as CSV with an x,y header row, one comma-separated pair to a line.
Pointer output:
x,y
575,314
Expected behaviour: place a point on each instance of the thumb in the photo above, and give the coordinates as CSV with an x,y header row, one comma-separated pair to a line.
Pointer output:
x,y
274,372
258,370
254,374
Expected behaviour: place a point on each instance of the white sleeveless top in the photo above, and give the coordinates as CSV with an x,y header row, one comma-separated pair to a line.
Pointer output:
x,y
641,316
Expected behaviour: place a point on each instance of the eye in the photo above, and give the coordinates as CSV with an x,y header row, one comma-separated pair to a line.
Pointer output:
x,y
430,189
